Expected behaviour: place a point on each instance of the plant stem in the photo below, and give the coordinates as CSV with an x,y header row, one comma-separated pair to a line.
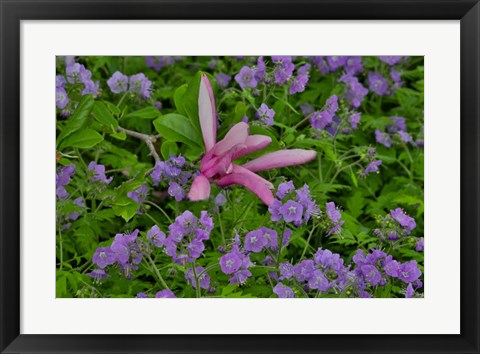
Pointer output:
x,y
61,248
308,242
159,276
198,291
147,139
151,218
222,232
160,209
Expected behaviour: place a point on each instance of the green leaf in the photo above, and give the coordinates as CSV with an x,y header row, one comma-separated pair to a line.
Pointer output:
x,y
119,135
178,99
78,118
144,113
178,128
83,139
187,104
112,108
103,116
169,148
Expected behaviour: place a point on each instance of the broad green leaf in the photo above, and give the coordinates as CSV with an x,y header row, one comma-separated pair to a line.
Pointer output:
x,y
103,116
178,128
78,118
144,113
169,148
83,139
119,135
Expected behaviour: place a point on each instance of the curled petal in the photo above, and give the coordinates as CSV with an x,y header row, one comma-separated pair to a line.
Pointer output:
x,y
200,189
238,134
243,177
206,113
253,143
281,158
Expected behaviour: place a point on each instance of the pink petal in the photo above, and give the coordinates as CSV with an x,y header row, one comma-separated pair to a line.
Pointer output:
x,y
281,158
206,113
200,189
243,177
253,143
236,135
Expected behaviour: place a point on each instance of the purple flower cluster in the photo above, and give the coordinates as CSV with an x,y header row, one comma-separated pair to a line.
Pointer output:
x,y
372,167
395,225
376,267
139,195
61,97
397,131
265,114
222,80
258,240
299,83
168,294
171,171
187,234
283,70
405,221
377,83
324,119
159,62
351,64
354,90
77,74
124,252
98,173
299,207
334,216
236,263
203,277
137,84
62,178
324,272
392,60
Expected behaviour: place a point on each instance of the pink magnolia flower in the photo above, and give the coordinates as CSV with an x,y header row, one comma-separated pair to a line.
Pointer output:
x,y
217,164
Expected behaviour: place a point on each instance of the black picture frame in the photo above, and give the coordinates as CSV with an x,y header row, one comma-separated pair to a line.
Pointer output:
x,y
14,11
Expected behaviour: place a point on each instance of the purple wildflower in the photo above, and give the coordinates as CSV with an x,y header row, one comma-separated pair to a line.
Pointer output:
x,y
103,257
222,80
371,274
283,291
259,69
139,194
255,241
354,119
318,281
61,97
407,222
240,277
156,236
220,199
246,78
175,190
405,137
265,114
409,291
204,279
286,270
377,83
284,189
383,138
304,270
168,294
141,296
298,84
419,245
118,82
353,65
373,166
283,70
354,90
292,211
99,172
320,120
140,85
391,60
98,275
409,272
332,212
230,262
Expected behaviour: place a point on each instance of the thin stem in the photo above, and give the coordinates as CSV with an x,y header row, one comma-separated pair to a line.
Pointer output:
x,y
122,98
147,139
159,209
308,242
155,269
320,174
198,291
222,232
